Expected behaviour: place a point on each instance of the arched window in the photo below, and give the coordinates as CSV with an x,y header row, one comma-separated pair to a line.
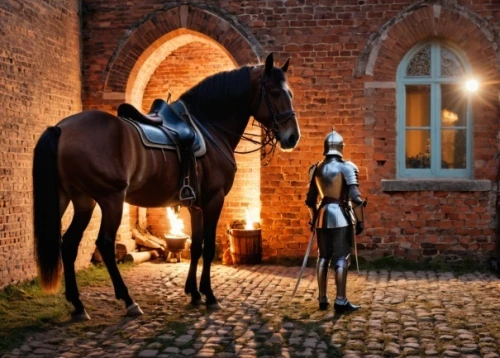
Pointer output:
x,y
434,113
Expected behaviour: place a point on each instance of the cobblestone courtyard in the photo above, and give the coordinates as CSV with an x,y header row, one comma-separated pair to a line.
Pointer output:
x,y
403,314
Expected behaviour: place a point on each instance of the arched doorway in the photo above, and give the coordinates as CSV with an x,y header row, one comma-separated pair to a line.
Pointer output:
x,y
149,64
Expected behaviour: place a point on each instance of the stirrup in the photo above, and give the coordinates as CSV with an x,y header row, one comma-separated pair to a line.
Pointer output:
x,y
187,192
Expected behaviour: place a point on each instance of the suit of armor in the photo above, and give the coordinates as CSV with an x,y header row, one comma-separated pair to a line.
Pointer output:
x,y
333,191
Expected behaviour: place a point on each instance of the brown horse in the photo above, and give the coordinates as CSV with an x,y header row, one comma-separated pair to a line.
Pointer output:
x,y
95,157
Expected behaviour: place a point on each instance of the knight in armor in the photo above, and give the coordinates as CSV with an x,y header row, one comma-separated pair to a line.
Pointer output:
x,y
336,209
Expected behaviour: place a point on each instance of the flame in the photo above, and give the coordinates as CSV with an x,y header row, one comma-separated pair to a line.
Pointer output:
x,y
176,224
250,218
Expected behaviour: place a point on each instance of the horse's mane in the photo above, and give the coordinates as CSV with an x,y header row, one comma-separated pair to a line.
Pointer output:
x,y
224,91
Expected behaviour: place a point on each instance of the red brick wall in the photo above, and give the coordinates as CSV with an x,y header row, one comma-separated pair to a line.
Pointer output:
x,y
424,224
184,68
39,85
343,68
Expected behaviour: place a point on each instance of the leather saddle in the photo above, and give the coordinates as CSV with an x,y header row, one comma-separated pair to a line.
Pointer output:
x,y
166,126
169,126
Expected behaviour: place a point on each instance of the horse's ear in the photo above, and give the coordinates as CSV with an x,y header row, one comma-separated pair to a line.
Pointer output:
x,y
285,66
269,63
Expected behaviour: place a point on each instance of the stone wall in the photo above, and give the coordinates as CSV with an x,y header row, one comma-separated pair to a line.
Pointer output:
x,y
39,85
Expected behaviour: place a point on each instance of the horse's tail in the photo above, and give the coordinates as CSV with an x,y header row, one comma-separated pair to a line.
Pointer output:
x,y
47,220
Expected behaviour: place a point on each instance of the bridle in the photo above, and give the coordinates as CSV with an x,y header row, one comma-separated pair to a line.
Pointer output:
x,y
270,134
275,117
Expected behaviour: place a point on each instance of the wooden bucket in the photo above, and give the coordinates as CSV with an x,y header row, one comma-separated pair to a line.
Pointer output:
x,y
246,246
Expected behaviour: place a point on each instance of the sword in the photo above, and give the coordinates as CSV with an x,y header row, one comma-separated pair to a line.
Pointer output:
x,y
355,250
306,256
354,238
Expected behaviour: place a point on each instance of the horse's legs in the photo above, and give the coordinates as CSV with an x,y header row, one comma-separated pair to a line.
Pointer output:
x,y
211,215
196,249
112,207
84,207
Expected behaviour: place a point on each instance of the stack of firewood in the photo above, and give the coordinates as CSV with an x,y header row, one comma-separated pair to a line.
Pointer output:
x,y
149,247
141,247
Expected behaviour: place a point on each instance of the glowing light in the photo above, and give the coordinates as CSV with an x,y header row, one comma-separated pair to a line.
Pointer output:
x,y
472,85
250,219
448,117
176,224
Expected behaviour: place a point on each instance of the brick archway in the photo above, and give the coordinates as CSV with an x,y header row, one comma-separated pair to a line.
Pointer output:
x,y
165,33
141,48
149,61
386,47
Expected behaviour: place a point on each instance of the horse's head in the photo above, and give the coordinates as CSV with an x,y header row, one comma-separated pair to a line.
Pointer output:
x,y
272,103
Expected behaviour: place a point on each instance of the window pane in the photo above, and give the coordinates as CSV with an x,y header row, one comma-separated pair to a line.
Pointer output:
x,y
420,64
453,149
418,106
418,149
453,106
450,65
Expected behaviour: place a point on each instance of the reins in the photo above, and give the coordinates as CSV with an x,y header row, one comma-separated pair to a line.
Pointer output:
x,y
269,139
264,94
270,134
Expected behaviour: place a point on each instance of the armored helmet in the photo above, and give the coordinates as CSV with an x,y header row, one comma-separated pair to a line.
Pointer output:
x,y
334,144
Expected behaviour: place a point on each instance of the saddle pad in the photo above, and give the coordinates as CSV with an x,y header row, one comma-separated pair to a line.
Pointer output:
x,y
158,137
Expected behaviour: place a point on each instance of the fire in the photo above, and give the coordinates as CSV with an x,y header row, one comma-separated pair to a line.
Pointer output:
x,y
176,224
250,218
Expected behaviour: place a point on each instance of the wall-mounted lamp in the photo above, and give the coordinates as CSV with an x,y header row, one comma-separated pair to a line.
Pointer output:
x,y
472,85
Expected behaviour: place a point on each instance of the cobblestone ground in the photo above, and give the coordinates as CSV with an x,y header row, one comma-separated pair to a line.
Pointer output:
x,y
404,314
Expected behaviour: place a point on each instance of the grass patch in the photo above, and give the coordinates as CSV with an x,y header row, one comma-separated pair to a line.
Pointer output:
x,y
25,309
391,263
97,275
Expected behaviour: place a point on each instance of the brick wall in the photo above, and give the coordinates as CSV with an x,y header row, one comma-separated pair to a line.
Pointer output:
x,y
183,68
424,224
39,85
344,60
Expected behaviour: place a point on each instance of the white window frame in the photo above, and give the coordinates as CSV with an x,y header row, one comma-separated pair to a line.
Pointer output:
x,y
434,81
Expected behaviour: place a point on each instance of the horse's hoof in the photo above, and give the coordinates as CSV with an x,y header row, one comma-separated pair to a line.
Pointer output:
x,y
134,310
80,317
215,306
196,301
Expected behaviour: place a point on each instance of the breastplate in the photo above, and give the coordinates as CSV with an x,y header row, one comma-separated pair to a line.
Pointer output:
x,y
330,181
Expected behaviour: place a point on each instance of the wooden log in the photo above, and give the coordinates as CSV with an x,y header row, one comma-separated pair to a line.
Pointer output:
x,y
148,240
138,257
123,247
157,240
